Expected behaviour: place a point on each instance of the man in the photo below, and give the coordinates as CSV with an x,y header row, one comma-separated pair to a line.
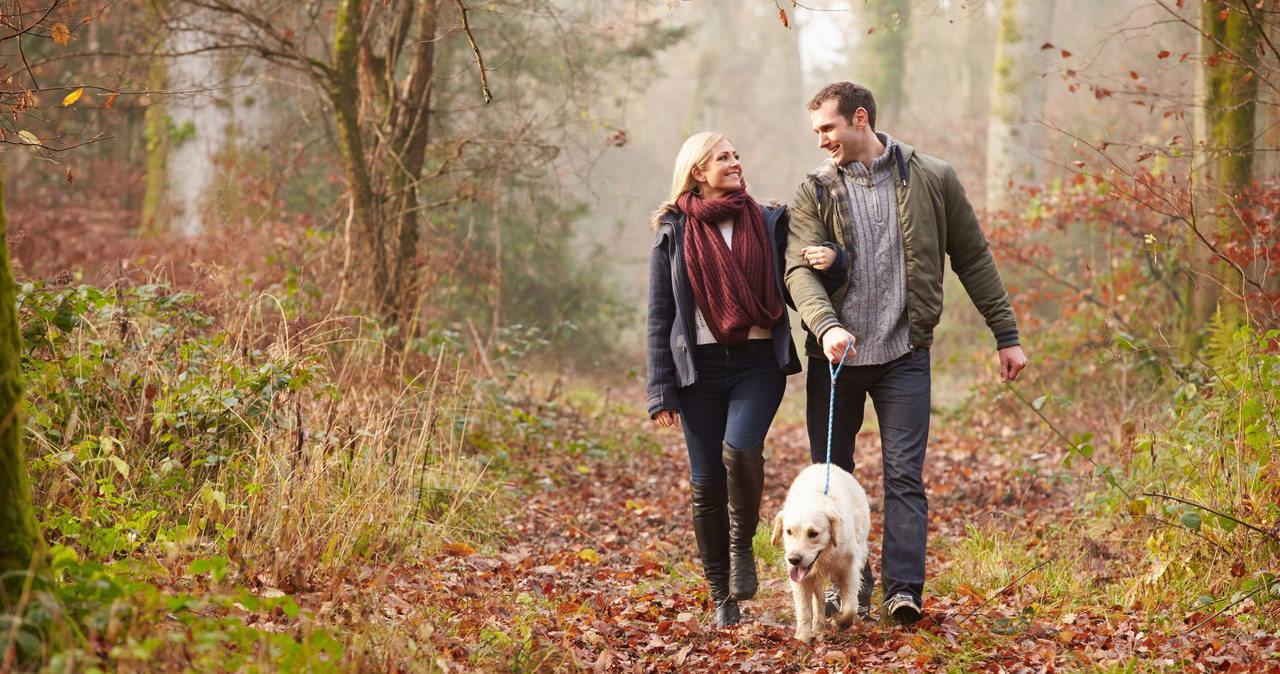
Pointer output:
x,y
896,213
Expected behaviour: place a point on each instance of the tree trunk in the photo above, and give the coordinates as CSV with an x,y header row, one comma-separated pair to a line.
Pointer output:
x,y
1015,138
703,107
408,127
883,56
344,92
154,204
395,100
1227,86
19,532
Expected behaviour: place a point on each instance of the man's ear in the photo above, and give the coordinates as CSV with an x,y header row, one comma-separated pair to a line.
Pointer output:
x,y
860,117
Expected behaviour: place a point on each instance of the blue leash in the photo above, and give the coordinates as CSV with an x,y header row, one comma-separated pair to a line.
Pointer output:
x,y
831,410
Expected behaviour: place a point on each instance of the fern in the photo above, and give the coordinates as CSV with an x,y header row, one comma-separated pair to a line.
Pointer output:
x,y
1223,347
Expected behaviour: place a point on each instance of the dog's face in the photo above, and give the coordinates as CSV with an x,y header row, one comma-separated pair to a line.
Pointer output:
x,y
804,535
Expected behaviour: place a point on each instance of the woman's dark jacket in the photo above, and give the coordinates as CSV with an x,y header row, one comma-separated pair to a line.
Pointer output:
x,y
672,335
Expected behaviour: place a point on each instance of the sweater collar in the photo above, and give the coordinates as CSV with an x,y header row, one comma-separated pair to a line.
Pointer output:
x,y
828,173
879,165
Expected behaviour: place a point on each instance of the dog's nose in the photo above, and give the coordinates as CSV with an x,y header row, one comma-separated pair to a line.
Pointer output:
x,y
793,560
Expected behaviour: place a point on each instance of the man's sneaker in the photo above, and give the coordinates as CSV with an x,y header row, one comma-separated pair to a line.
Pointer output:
x,y
903,608
833,605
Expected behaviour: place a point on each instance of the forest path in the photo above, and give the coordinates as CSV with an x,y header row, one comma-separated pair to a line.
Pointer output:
x,y
600,575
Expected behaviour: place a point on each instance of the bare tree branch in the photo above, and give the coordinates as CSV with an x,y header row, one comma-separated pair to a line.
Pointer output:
x,y
466,28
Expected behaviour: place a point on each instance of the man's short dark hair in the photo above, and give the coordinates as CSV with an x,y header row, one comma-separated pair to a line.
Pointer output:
x,y
849,97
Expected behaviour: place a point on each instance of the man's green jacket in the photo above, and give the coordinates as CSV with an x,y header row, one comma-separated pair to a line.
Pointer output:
x,y
937,222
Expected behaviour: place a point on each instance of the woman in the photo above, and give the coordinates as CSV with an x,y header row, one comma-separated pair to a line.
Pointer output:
x,y
719,350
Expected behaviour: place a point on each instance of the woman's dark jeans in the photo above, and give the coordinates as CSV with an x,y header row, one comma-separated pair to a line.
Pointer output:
x,y
900,391
733,401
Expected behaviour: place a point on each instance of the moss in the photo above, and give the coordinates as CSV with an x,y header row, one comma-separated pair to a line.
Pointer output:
x,y
1009,29
19,533
156,138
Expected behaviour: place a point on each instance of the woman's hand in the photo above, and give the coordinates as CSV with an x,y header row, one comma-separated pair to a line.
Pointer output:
x,y
819,257
667,419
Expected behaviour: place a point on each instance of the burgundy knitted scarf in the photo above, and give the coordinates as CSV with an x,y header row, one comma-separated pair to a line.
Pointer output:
x,y
735,289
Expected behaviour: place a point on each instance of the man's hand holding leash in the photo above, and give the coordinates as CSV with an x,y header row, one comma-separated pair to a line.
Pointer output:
x,y
835,341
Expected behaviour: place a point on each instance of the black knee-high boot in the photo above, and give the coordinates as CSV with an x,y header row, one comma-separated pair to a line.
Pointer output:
x,y
746,482
711,527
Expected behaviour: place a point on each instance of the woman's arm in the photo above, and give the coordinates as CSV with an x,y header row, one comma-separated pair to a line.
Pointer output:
x,y
661,371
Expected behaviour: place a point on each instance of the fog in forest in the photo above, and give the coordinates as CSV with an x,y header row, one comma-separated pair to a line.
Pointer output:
x,y
741,72
591,102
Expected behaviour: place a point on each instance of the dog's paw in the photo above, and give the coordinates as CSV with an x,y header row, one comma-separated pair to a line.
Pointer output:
x,y
804,635
844,619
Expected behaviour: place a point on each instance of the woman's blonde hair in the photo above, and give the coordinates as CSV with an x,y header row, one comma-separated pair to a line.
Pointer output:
x,y
696,152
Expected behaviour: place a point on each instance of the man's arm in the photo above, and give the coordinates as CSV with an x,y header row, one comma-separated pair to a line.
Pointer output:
x,y
803,281
972,262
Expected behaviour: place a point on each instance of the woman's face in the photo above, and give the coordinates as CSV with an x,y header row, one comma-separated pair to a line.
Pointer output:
x,y
722,173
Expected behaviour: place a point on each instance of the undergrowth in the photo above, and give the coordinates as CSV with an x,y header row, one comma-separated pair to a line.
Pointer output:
x,y
195,466
1177,510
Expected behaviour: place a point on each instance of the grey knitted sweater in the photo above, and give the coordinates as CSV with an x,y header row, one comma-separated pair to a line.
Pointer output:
x,y
875,308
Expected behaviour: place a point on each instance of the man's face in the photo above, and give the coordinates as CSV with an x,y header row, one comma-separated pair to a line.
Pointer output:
x,y
836,135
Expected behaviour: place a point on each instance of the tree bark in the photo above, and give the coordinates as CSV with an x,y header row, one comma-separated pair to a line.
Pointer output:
x,y
408,127
883,56
1227,86
19,533
372,88
1015,139
344,93
156,133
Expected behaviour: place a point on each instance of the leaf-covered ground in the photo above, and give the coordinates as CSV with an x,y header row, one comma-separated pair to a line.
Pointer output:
x,y
598,574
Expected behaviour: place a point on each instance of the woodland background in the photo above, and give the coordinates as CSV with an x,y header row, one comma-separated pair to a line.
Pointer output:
x,y
327,348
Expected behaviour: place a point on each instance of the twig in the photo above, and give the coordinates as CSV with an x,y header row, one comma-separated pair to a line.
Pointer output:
x,y
1006,587
1074,447
1215,512
1223,610
466,28
1171,525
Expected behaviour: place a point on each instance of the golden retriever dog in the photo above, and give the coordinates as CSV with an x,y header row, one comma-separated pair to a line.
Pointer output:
x,y
824,537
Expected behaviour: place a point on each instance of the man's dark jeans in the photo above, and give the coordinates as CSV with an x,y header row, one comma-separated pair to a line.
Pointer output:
x,y
733,401
900,391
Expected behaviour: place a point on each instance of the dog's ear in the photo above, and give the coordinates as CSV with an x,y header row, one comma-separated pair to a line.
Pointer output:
x,y
777,529
835,523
